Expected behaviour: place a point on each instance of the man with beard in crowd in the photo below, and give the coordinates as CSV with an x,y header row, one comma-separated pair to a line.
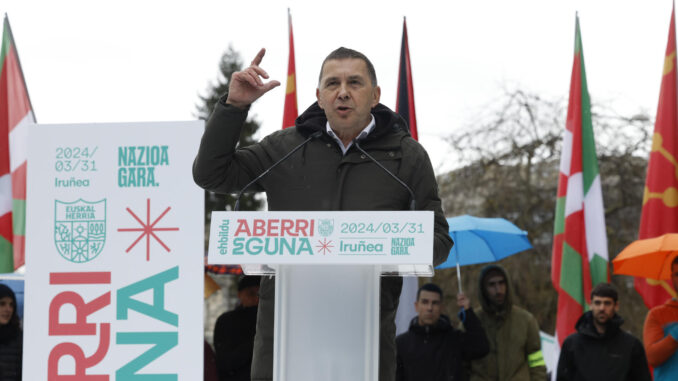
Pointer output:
x,y
513,333
600,350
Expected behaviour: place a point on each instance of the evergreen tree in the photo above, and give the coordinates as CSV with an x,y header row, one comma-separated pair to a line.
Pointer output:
x,y
230,63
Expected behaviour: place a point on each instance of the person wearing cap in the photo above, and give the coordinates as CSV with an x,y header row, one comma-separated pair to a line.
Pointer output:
x,y
11,337
234,333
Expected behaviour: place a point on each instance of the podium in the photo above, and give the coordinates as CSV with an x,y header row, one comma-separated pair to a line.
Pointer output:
x,y
328,267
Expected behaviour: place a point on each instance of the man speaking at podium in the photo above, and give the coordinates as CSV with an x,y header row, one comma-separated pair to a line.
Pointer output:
x,y
340,141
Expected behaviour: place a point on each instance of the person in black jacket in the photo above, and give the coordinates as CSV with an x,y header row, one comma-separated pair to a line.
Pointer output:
x,y
432,349
332,172
600,350
234,333
11,337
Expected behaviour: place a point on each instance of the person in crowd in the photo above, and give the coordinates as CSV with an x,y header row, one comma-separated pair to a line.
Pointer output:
x,y
234,333
600,350
11,337
209,364
660,335
432,349
342,134
515,345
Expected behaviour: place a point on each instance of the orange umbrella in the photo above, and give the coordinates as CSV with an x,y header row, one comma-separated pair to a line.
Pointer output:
x,y
648,258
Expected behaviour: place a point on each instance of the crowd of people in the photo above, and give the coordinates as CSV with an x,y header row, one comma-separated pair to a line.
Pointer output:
x,y
497,341
359,155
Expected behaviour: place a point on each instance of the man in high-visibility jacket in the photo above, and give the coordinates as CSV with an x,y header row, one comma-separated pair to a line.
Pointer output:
x,y
513,333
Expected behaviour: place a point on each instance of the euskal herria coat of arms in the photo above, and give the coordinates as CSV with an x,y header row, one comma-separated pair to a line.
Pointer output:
x,y
325,227
80,229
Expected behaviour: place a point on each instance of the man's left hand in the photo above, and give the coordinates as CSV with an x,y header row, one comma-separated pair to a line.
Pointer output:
x,y
463,301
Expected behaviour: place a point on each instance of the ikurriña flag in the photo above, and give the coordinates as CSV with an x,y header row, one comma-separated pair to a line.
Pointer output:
x,y
405,98
660,200
291,112
580,257
15,116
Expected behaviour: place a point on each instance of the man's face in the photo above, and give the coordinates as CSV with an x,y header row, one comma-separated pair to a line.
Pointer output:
x,y
428,307
495,285
249,297
674,276
346,94
603,308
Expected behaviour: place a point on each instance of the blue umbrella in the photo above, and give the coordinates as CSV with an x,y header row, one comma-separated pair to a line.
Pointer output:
x,y
481,240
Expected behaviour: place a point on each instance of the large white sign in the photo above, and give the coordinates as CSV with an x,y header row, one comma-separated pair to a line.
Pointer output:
x,y
114,276
376,237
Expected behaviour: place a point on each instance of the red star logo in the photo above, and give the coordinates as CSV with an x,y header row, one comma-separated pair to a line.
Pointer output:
x,y
324,246
148,229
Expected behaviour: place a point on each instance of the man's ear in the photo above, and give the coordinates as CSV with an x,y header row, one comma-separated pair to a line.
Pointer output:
x,y
317,97
376,95
616,306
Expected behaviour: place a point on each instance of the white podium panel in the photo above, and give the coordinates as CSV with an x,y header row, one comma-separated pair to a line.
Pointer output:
x,y
328,267
400,242
114,275
327,323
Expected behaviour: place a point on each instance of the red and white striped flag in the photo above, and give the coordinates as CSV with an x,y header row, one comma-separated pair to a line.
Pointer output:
x,y
15,116
291,111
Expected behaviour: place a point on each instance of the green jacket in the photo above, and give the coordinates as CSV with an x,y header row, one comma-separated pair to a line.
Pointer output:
x,y
515,345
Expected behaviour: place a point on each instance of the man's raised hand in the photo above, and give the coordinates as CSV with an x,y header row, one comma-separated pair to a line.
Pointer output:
x,y
463,301
246,86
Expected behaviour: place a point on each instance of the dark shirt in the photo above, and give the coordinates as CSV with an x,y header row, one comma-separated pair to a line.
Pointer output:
x,y
615,355
431,353
234,343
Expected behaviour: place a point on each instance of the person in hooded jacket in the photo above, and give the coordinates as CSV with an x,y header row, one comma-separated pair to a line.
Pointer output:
x,y
600,350
330,172
11,337
432,349
515,345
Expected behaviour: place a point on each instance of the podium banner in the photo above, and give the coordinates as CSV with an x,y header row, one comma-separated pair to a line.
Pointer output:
x,y
114,253
344,237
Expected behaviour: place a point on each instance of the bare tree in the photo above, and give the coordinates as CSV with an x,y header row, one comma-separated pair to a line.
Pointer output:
x,y
510,163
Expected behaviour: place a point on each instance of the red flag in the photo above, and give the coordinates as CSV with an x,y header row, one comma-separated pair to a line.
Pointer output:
x,y
290,114
660,201
15,116
405,98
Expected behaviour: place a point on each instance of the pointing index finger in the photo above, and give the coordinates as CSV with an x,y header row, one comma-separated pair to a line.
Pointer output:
x,y
257,60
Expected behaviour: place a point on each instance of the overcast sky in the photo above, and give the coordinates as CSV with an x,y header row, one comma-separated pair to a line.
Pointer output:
x,y
126,61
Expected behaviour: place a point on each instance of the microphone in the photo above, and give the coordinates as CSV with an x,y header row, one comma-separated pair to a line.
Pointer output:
x,y
412,201
314,135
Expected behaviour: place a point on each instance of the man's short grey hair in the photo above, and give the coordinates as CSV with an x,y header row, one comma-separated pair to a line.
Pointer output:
x,y
345,53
